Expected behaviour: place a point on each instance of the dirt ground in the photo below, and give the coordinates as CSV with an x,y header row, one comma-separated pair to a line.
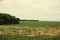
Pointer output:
x,y
32,31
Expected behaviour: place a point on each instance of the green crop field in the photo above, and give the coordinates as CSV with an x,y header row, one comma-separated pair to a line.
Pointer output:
x,y
31,30
37,24
40,24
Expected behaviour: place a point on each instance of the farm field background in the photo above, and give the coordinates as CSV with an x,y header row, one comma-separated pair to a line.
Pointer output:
x,y
31,30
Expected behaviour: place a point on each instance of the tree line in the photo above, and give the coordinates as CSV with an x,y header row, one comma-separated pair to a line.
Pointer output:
x,y
8,19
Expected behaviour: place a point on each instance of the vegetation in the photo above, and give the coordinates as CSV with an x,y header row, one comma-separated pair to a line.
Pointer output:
x,y
19,37
28,29
31,20
39,24
8,19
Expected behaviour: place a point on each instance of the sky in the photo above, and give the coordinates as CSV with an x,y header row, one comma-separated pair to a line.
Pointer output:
x,y
44,10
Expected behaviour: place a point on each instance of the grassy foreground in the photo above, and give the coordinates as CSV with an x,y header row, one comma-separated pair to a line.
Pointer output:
x,y
29,30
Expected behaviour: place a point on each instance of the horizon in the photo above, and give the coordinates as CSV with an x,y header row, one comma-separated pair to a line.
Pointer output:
x,y
42,10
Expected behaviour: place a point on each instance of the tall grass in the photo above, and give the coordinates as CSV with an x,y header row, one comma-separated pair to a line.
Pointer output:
x,y
19,37
29,24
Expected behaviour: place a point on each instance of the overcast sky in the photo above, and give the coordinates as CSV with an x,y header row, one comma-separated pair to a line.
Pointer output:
x,y
48,10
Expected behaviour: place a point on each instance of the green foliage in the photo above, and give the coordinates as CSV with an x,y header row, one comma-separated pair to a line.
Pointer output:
x,y
8,19
33,25
19,37
39,24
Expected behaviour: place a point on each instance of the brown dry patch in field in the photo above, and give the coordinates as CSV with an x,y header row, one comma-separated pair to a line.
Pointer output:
x,y
27,27
33,31
7,29
48,31
1,33
21,32
33,34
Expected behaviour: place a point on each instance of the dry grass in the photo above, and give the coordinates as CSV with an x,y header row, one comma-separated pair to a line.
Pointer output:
x,y
34,31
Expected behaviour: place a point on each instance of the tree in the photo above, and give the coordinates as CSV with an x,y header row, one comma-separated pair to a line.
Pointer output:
x,y
8,19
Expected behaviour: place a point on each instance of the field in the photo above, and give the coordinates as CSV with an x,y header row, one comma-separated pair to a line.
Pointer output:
x,y
31,30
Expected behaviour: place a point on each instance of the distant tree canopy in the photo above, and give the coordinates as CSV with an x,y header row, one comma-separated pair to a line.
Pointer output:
x,y
8,19
31,20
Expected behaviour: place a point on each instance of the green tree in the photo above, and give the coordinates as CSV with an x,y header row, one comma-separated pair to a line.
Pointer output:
x,y
8,19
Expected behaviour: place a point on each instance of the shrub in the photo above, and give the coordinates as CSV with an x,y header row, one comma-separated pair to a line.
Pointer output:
x,y
8,19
